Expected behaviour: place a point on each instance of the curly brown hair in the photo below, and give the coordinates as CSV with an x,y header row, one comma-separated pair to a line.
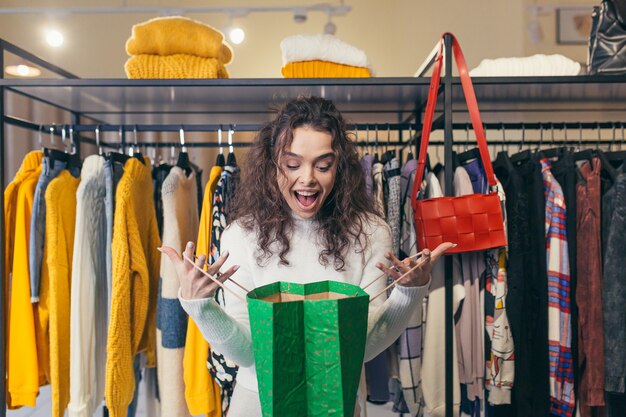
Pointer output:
x,y
259,205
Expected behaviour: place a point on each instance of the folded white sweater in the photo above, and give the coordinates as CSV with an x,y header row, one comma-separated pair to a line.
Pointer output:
x,y
536,65
321,47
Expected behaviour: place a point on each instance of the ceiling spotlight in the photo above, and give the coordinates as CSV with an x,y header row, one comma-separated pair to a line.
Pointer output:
x,y
299,15
236,35
54,38
330,28
22,70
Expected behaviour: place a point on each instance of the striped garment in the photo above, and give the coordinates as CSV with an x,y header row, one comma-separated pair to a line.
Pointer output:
x,y
559,324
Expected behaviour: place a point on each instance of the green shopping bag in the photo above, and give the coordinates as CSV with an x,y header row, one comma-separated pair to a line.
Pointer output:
x,y
309,344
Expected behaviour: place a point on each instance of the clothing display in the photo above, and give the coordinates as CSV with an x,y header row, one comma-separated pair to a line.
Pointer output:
x,y
89,294
180,223
24,371
135,284
49,170
433,356
535,65
176,47
559,324
614,294
58,248
322,55
589,289
201,391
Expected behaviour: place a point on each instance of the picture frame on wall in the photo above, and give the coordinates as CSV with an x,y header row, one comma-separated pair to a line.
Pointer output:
x,y
573,25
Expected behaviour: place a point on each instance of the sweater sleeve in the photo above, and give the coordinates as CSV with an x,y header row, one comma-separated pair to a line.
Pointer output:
x,y
120,380
82,312
388,317
227,329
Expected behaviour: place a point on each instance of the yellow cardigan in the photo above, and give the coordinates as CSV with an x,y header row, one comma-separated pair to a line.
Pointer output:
x,y
201,391
136,263
59,248
23,371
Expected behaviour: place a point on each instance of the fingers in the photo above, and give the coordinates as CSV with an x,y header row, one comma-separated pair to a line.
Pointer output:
x,y
190,250
441,249
215,267
200,260
224,276
172,254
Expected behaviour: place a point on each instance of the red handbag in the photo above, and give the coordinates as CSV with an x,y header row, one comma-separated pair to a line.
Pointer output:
x,y
474,221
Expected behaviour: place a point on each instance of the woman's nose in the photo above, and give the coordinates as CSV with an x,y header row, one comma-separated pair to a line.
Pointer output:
x,y
308,176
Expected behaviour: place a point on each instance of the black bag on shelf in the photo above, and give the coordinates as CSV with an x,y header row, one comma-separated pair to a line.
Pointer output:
x,y
607,40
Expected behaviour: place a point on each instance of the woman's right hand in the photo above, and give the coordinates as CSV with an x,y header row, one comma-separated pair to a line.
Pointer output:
x,y
193,283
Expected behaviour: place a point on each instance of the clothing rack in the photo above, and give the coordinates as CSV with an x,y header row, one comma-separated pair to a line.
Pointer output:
x,y
521,103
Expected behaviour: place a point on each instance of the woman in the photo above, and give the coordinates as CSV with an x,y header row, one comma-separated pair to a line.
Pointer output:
x,y
301,215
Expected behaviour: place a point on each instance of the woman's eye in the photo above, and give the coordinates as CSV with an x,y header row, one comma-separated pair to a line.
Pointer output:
x,y
324,168
292,166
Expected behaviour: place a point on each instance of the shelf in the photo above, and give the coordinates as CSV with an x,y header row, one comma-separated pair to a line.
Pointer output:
x,y
383,100
374,100
528,99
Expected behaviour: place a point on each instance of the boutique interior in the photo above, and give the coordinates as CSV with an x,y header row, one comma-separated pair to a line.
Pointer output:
x,y
536,327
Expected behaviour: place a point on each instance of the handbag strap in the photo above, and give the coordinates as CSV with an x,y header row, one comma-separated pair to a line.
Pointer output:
x,y
472,106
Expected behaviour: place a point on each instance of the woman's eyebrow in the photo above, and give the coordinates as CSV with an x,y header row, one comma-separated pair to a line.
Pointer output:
x,y
326,155
293,155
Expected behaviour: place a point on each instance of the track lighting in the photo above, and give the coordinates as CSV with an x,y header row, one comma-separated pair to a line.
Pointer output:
x,y
330,28
236,35
54,38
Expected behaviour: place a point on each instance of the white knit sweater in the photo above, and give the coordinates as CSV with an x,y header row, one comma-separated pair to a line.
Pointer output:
x,y
88,304
228,329
180,225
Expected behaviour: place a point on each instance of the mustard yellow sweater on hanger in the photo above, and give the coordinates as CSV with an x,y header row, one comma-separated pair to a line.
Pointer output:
x,y
24,373
134,293
59,248
201,391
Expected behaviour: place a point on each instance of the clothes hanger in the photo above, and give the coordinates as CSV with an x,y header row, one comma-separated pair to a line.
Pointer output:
x,y
389,153
522,155
53,154
468,154
118,156
554,152
183,156
581,154
376,158
97,132
134,150
618,157
502,161
220,161
74,160
232,161
410,156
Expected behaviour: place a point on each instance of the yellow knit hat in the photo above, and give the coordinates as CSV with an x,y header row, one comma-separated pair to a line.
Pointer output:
x,y
322,69
178,35
174,66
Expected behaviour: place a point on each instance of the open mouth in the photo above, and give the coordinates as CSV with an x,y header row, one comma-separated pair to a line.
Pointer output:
x,y
306,198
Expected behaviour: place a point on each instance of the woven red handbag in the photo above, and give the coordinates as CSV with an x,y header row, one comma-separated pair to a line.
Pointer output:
x,y
473,222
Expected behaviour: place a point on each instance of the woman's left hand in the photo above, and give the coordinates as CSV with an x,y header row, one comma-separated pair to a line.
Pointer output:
x,y
419,276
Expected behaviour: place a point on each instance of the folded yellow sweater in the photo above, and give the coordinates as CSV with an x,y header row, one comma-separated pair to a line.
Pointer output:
x,y
174,66
322,69
178,35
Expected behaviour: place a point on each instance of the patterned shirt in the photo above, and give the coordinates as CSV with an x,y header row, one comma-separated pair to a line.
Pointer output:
x,y
559,324
222,369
